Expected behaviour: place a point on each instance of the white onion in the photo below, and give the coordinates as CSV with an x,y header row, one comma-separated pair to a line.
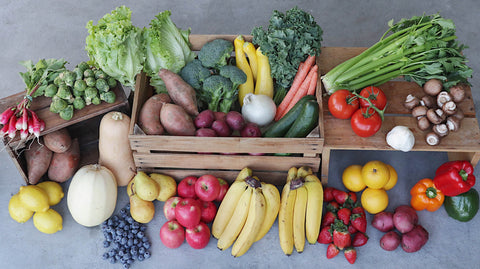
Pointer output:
x,y
258,108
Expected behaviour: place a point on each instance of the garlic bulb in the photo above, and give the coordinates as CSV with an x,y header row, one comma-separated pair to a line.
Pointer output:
x,y
401,138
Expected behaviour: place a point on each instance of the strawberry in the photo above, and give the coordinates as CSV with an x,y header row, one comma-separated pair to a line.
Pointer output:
x,y
353,196
344,215
341,236
332,251
359,222
329,218
328,194
340,196
359,239
351,229
358,210
325,235
333,206
350,254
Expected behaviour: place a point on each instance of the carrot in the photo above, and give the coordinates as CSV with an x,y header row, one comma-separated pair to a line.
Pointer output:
x,y
297,81
302,90
313,84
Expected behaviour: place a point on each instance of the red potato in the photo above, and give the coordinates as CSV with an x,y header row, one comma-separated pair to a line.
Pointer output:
x,y
222,129
64,165
38,158
205,132
414,240
383,221
251,130
149,117
405,218
390,241
219,115
58,141
180,91
204,119
176,120
235,120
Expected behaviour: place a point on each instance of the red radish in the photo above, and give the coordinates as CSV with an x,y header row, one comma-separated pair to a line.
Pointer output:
x,y
4,130
5,116
25,120
23,134
11,127
36,124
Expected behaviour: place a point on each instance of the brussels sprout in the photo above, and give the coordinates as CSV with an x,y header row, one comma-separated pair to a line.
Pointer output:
x,y
77,93
51,90
58,104
40,91
88,73
58,80
108,97
67,113
83,66
80,85
78,73
51,77
111,82
90,93
70,78
100,74
96,100
91,81
79,103
102,85
65,93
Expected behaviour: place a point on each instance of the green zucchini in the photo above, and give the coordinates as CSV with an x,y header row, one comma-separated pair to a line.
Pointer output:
x,y
281,127
306,121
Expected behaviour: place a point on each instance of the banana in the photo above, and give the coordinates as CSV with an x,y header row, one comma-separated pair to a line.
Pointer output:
x,y
304,171
313,217
285,218
226,208
272,205
236,222
299,218
312,178
255,218
244,173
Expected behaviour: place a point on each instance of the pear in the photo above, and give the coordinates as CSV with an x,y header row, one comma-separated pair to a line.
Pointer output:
x,y
131,187
145,187
168,186
142,211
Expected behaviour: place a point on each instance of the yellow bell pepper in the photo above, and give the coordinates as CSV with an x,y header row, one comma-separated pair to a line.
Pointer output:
x,y
250,50
242,64
264,83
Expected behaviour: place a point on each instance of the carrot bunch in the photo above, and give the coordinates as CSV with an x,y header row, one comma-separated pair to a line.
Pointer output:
x,y
304,83
20,118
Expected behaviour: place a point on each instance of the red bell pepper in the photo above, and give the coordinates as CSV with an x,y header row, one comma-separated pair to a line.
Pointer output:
x,y
454,177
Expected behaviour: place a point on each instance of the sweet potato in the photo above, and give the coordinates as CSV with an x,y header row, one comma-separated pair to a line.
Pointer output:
x,y
390,241
383,221
65,164
149,117
58,141
38,158
176,120
180,91
414,240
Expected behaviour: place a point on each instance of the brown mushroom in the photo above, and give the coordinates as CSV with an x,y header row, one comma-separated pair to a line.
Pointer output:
x,y
432,139
459,114
458,93
411,102
423,123
428,101
432,87
436,116
440,129
449,108
419,111
442,98
453,123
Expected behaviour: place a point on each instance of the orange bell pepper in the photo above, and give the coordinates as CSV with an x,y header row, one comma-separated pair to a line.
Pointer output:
x,y
426,196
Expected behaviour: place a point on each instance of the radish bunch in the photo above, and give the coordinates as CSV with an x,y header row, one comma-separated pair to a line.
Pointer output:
x,y
20,118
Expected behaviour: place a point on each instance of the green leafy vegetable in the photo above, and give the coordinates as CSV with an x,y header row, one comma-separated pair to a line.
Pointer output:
x,y
115,46
420,48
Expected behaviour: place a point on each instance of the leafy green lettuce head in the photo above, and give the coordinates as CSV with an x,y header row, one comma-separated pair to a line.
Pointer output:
x,y
115,46
165,46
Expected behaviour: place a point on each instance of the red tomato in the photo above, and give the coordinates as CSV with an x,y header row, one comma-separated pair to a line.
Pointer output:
x,y
366,122
342,104
376,96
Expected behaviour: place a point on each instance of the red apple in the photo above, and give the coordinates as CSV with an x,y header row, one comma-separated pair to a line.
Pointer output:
x,y
199,236
169,207
186,187
172,234
207,188
223,189
209,210
188,212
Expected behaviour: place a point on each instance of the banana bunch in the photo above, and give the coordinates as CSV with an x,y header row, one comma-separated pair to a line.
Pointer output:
x,y
300,212
246,214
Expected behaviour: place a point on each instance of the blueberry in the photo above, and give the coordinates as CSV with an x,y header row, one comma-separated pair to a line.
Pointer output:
x,y
141,250
143,228
112,252
130,242
112,260
146,245
115,218
135,225
140,234
109,237
145,239
134,231
121,253
115,245
126,265
130,261
119,231
105,256
118,238
130,220
121,224
124,241
106,244
135,256
146,254
135,241
123,211
141,257
125,234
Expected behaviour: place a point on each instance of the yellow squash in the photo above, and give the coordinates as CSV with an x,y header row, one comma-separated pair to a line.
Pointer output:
x,y
264,84
242,63
251,52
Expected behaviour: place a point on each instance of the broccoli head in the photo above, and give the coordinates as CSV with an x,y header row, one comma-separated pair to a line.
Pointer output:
x,y
215,53
235,74
194,73
217,93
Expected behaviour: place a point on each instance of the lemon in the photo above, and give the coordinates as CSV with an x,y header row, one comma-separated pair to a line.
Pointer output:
x,y
54,191
392,180
375,174
34,198
48,222
374,200
18,211
352,178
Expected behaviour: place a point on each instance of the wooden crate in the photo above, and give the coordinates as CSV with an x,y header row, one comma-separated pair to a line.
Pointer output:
x,y
83,125
178,155
464,144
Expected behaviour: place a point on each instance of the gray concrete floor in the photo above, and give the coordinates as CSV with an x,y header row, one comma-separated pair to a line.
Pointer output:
x,y
56,29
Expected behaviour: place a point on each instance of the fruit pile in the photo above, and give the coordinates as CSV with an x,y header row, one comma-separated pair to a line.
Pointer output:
x,y
189,213
36,200
344,225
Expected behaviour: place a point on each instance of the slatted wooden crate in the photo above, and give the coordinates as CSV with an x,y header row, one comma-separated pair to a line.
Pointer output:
x,y
178,155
